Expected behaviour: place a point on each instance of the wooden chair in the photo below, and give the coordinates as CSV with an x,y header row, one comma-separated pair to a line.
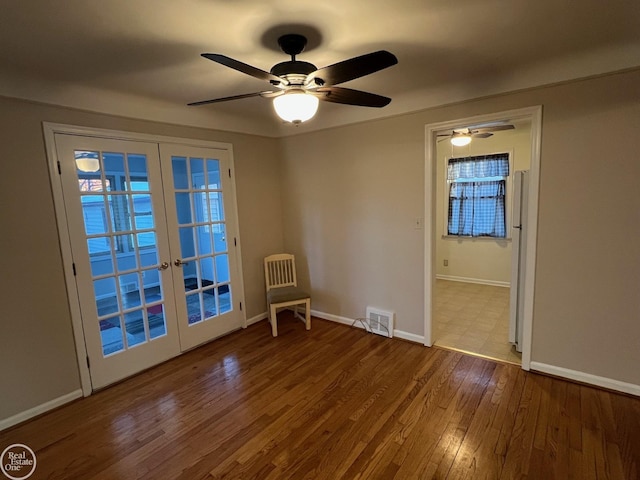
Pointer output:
x,y
282,289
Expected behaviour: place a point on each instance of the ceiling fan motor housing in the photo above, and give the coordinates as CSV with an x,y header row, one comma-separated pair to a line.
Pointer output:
x,y
294,71
293,67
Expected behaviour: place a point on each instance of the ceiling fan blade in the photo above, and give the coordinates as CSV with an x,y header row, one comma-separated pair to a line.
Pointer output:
x,y
482,135
244,68
268,93
495,128
353,68
350,97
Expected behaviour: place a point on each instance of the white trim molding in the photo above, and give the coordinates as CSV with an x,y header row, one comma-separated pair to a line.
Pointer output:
x,y
534,114
479,281
411,337
587,378
39,409
336,318
257,318
65,247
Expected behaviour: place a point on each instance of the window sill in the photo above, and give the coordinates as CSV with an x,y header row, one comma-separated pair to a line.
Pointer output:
x,y
473,239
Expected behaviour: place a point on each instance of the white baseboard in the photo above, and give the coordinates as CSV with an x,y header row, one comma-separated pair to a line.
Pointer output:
x,y
257,318
493,283
587,378
336,318
412,337
40,409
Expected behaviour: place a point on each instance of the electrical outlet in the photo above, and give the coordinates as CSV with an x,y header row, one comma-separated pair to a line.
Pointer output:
x,y
446,263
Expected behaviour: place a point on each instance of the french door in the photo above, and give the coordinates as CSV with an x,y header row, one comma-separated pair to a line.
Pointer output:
x,y
152,234
202,237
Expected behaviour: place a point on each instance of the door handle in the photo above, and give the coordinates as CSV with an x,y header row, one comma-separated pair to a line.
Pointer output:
x,y
163,266
179,263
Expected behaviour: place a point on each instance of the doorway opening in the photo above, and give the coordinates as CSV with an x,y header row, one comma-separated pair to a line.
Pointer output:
x,y
479,276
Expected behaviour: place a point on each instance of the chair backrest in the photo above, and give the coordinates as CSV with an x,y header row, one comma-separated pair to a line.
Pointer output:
x,y
280,271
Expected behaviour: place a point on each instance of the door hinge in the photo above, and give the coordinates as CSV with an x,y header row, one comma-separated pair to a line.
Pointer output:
x,y
240,306
88,363
229,173
235,243
59,168
74,269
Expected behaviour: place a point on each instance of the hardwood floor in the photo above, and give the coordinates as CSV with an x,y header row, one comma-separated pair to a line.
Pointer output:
x,y
335,403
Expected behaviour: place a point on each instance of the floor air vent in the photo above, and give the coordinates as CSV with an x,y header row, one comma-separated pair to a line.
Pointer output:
x,y
380,321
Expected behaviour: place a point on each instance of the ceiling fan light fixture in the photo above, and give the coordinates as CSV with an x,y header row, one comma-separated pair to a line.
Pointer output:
x,y
295,106
461,140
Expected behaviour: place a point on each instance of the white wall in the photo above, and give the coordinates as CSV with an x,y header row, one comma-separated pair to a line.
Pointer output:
x,y
483,260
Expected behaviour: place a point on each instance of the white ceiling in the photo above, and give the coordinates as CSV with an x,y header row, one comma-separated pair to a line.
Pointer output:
x,y
141,58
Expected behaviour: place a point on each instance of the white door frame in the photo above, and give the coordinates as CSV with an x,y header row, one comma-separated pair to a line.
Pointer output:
x,y
49,131
534,114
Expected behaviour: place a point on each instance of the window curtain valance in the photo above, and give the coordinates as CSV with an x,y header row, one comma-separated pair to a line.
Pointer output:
x,y
478,167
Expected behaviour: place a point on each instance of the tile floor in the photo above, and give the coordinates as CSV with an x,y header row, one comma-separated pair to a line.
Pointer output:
x,y
473,318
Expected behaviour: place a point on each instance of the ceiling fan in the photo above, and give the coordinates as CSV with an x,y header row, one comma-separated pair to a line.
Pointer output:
x,y
296,86
462,136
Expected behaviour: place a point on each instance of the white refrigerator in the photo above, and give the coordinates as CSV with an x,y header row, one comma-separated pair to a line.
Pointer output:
x,y
518,255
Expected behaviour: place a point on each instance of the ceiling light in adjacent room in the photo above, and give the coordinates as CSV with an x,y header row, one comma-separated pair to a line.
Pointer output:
x,y
296,106
87,161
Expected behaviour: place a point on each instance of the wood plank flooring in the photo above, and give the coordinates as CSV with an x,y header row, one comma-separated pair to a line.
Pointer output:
x,y
336,403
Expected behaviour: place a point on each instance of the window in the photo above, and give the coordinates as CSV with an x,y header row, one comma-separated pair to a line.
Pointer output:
x,y
94,212
143,218
126,218
477,187
213,211
142,212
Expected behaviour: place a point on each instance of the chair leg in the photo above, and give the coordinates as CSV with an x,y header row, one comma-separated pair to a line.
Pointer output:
x,y
308,313
274,321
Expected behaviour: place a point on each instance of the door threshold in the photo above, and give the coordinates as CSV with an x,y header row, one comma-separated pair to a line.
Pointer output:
x,y
476,354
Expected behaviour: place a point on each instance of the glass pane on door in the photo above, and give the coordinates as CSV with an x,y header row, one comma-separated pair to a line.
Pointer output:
x,y
201,219
120,231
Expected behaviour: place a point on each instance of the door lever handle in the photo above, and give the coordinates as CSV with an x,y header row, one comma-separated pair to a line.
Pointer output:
x,y
179,263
